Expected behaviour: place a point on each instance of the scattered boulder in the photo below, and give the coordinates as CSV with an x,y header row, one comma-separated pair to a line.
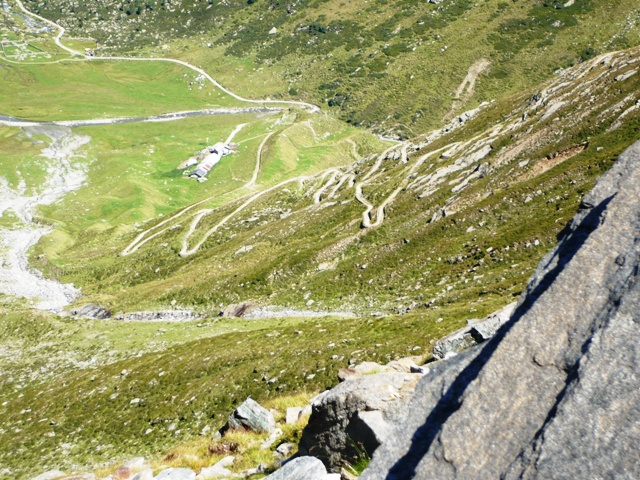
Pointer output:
x,y
50,475
219,470
476,331
277,433
251,415
293,415
238,310
301,468
176,474
555,393
82,476
356,415
122,473
404,365
143,475
286,449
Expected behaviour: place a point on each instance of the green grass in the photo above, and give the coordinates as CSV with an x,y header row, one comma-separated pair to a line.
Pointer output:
x,y
97,89
132,177
392,66
20,159
410,261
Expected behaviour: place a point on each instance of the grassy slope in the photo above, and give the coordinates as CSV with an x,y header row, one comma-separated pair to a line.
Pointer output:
x,y
133,176
92,421
407,262
393,65
410,262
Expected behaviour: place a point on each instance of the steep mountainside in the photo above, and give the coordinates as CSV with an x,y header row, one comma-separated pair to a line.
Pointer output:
x,y
562,373
397,66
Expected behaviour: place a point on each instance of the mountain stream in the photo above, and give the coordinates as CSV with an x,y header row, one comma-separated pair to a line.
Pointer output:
x,y
63,177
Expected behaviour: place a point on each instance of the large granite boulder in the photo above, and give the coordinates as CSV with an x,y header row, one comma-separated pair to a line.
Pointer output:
x,y
356,415
556,392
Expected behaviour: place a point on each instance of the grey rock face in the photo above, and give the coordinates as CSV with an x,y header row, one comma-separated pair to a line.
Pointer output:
x,y
477,331
556,392
301,468
355,415
250,414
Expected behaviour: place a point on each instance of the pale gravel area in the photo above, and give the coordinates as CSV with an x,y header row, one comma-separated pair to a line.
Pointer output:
x,y
63,177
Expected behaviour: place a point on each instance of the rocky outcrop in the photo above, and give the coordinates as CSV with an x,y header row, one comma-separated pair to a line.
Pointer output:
x,y
476,332
238,310
356,415
161,316
92,310
176,474
219,470
556,393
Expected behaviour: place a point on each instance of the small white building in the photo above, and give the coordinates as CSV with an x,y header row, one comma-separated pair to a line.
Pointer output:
x,y
216,152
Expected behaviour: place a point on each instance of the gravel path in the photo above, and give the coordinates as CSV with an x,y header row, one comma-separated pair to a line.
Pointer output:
x,y
278,312
164,117
16,278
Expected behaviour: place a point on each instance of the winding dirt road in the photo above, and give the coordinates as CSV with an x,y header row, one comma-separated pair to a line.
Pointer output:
x,y
256,169
61,31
